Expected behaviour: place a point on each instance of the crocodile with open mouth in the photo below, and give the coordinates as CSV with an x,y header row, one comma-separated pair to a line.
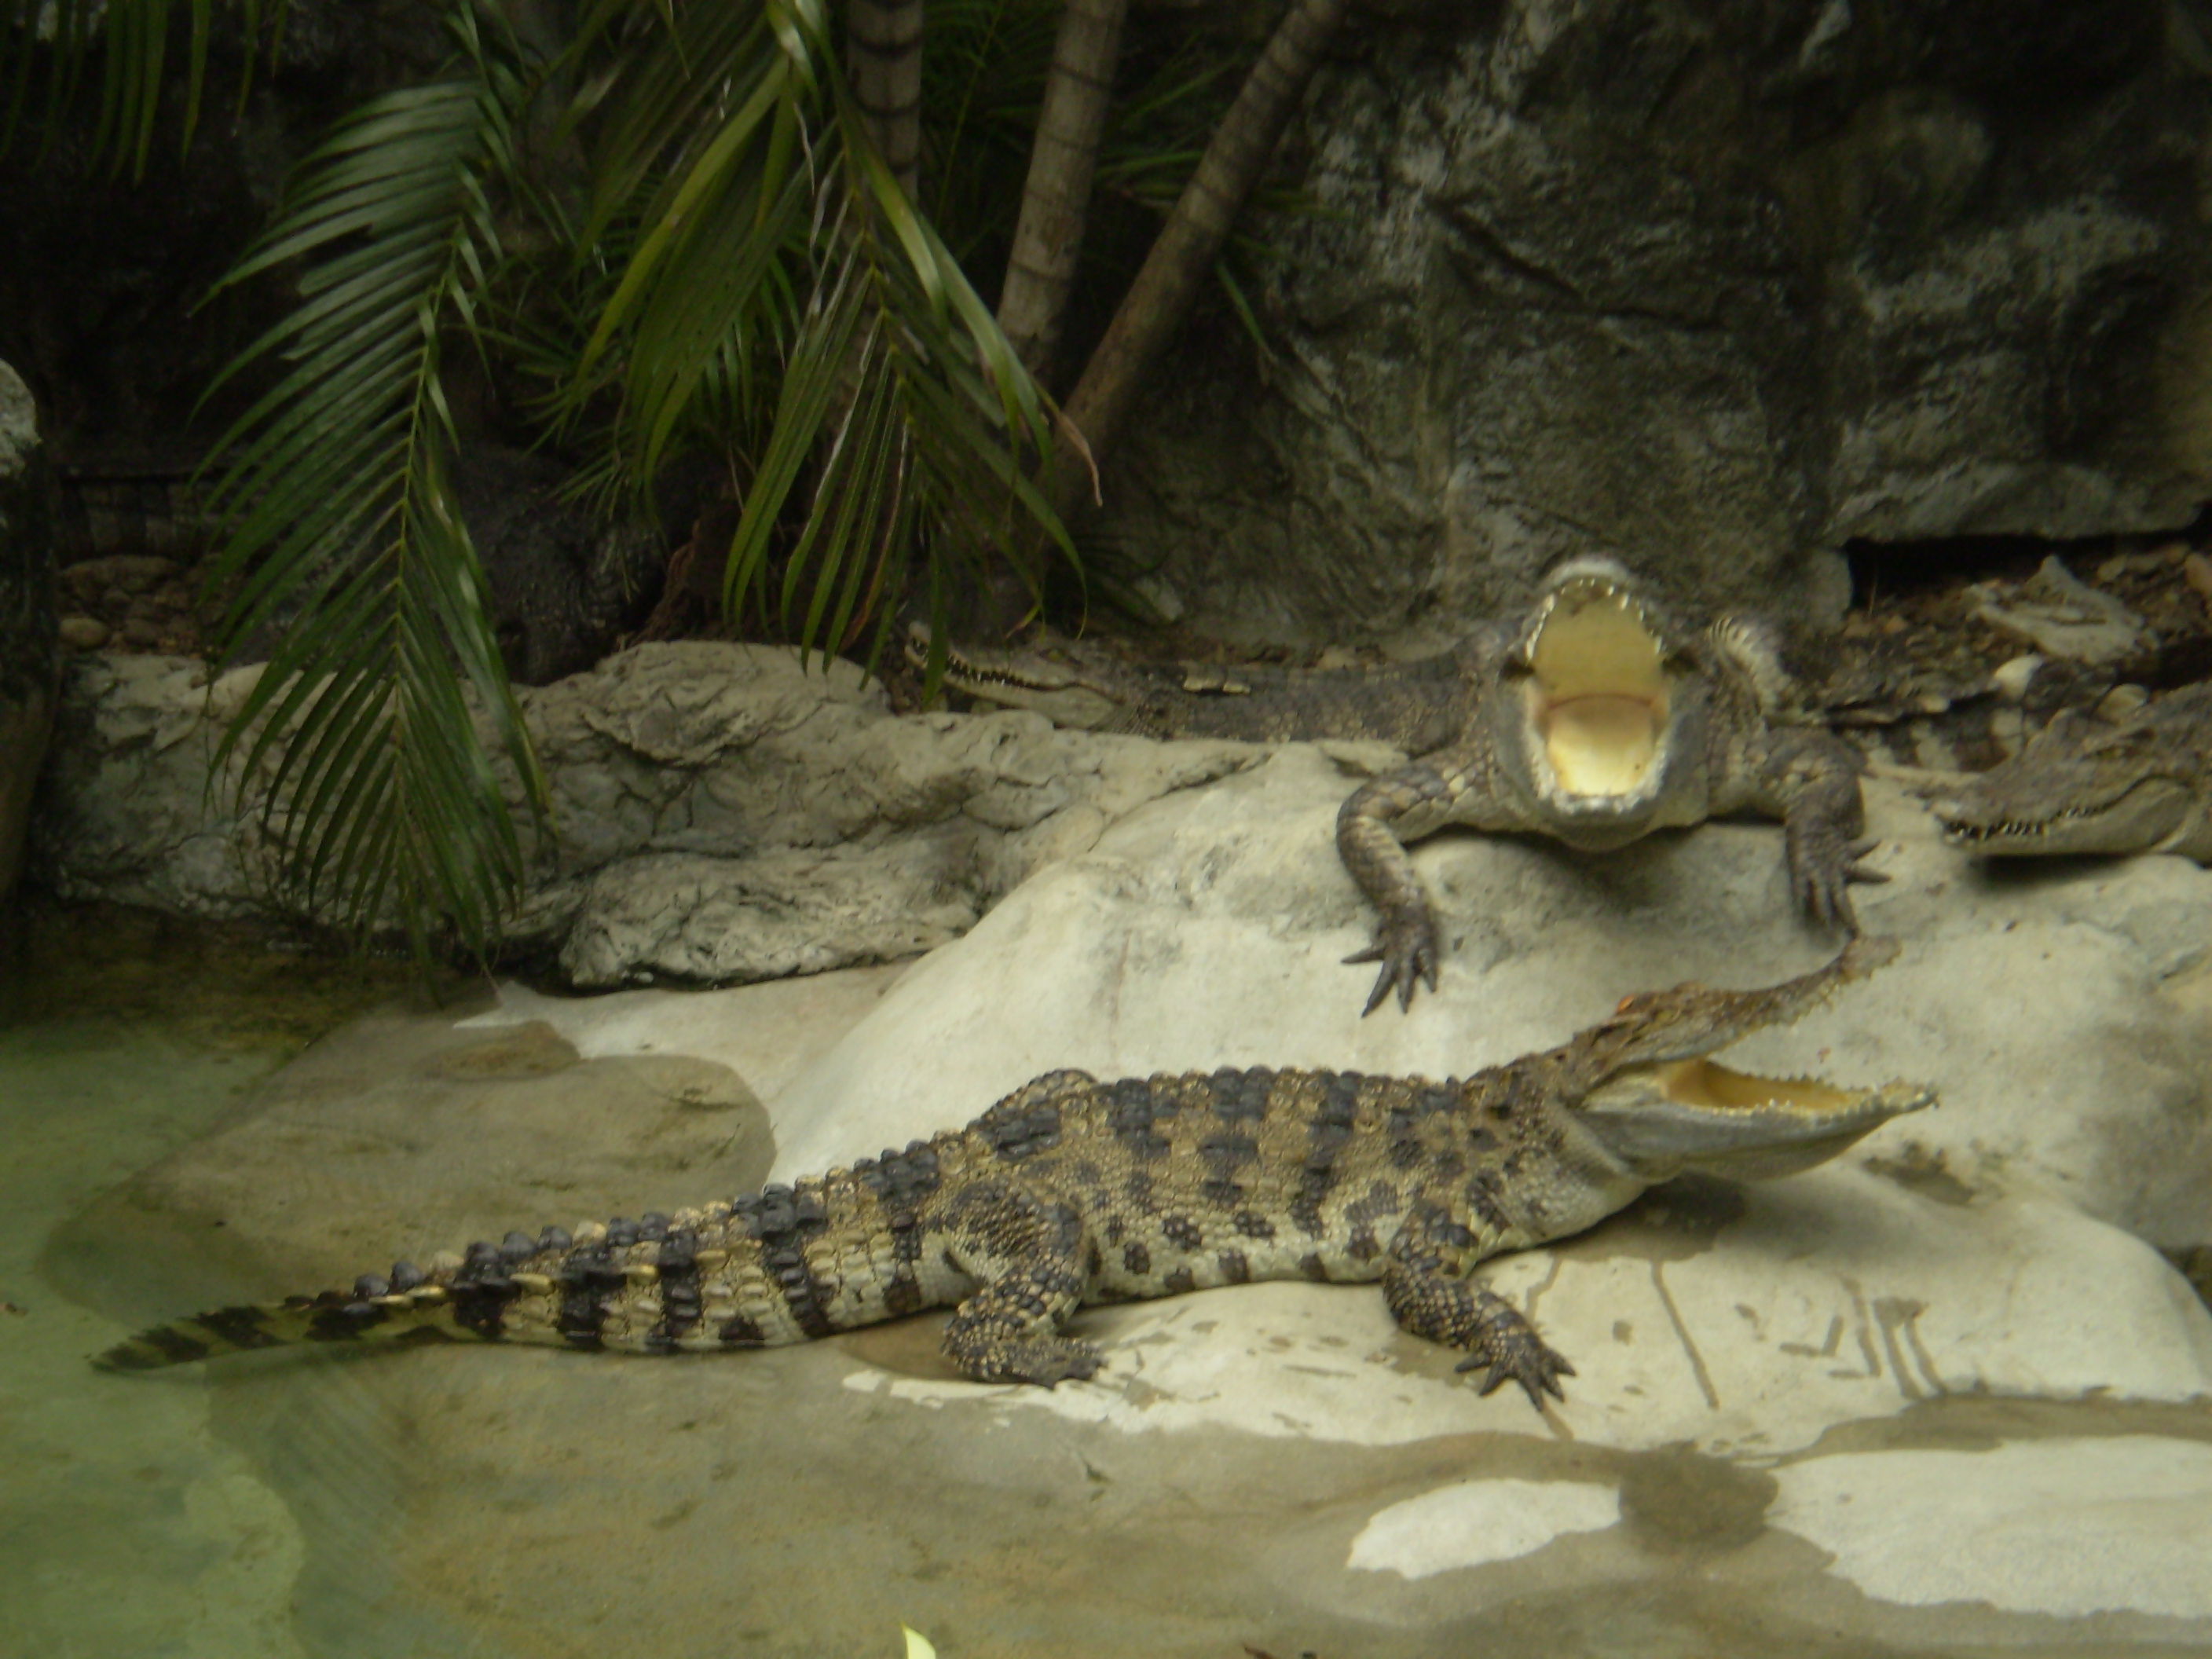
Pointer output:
x,y
1599,719
1072,1192
1594,720
2128,777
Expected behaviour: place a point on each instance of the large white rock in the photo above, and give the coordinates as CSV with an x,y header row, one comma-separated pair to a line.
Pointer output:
x,y
1833,1297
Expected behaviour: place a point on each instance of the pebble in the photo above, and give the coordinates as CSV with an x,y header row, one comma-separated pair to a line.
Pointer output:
x,y
83,633
2011,678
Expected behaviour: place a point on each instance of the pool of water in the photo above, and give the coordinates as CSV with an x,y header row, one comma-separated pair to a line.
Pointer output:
x,y
130,1527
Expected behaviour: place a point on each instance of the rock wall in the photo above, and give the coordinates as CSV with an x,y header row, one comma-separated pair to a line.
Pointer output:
x,y
1717,287
28,661
719,813
105,278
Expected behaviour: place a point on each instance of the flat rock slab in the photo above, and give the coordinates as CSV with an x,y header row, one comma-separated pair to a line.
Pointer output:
x,y
397,1138
1776,1383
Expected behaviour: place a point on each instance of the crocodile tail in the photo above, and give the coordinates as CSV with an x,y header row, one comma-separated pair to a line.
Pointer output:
x,y
425,1314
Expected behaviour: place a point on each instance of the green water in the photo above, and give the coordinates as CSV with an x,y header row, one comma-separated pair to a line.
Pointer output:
x,y
127,1527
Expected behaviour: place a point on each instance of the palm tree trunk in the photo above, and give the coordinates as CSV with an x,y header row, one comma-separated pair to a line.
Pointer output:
x,y
1057,199
883,40
1188,243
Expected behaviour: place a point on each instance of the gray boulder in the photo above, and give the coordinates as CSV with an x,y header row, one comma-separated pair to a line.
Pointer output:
x,y
1714,286
720,813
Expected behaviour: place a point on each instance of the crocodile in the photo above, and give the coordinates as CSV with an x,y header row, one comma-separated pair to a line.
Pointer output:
x,y
1417,706
1599,719
1594,719
2132,776
1070,1191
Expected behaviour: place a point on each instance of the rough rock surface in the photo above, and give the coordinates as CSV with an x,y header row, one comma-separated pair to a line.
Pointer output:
x,y
29,664
1705,285
720,814
1784,1389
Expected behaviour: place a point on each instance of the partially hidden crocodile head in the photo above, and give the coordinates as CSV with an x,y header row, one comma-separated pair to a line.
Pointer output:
x,y
2084,784
1078,688
1656,1102
1591,720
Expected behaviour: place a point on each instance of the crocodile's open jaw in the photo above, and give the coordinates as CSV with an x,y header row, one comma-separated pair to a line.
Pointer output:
x,y
1596,699
2141,817
1670,1116
1038,679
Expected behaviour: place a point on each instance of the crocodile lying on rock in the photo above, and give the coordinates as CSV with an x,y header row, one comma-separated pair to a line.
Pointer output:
x,y
1594,720
2126,778
1070,1192
1414,706
1599,719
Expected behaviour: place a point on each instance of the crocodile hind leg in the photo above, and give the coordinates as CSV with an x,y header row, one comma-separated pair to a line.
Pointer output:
x,y
1031,1254
1431,1296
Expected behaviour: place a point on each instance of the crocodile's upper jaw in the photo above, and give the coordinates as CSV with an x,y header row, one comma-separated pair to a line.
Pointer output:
x,y
2080,813
1594,728
1062,691
1657,1102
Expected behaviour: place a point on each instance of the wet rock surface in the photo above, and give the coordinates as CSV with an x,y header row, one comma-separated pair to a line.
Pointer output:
x,y
1784,1389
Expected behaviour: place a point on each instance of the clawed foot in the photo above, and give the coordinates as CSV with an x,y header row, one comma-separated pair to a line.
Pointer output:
x,y
1821,871
1043,1360
1519,1355
1407,945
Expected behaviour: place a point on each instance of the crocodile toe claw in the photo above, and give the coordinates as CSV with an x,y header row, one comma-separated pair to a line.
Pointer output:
x,y
1520,1357
1821,874
1408,947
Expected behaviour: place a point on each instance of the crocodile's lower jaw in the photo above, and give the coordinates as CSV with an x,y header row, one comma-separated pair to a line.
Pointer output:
x,y
1695,1113
1602,744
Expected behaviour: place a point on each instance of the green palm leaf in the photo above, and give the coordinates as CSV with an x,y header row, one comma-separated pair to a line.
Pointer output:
x,y
767,239
47,45
363,728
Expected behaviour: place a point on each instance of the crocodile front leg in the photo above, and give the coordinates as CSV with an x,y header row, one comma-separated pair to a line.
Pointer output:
x,y
1810,781
1368,824
1431,1296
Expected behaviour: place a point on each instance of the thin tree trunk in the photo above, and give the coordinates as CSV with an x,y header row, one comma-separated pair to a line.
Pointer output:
x,y
1048,236
1161,297
883,40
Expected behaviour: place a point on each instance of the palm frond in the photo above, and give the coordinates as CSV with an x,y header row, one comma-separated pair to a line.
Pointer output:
x,y
47,46
346,537
769,246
